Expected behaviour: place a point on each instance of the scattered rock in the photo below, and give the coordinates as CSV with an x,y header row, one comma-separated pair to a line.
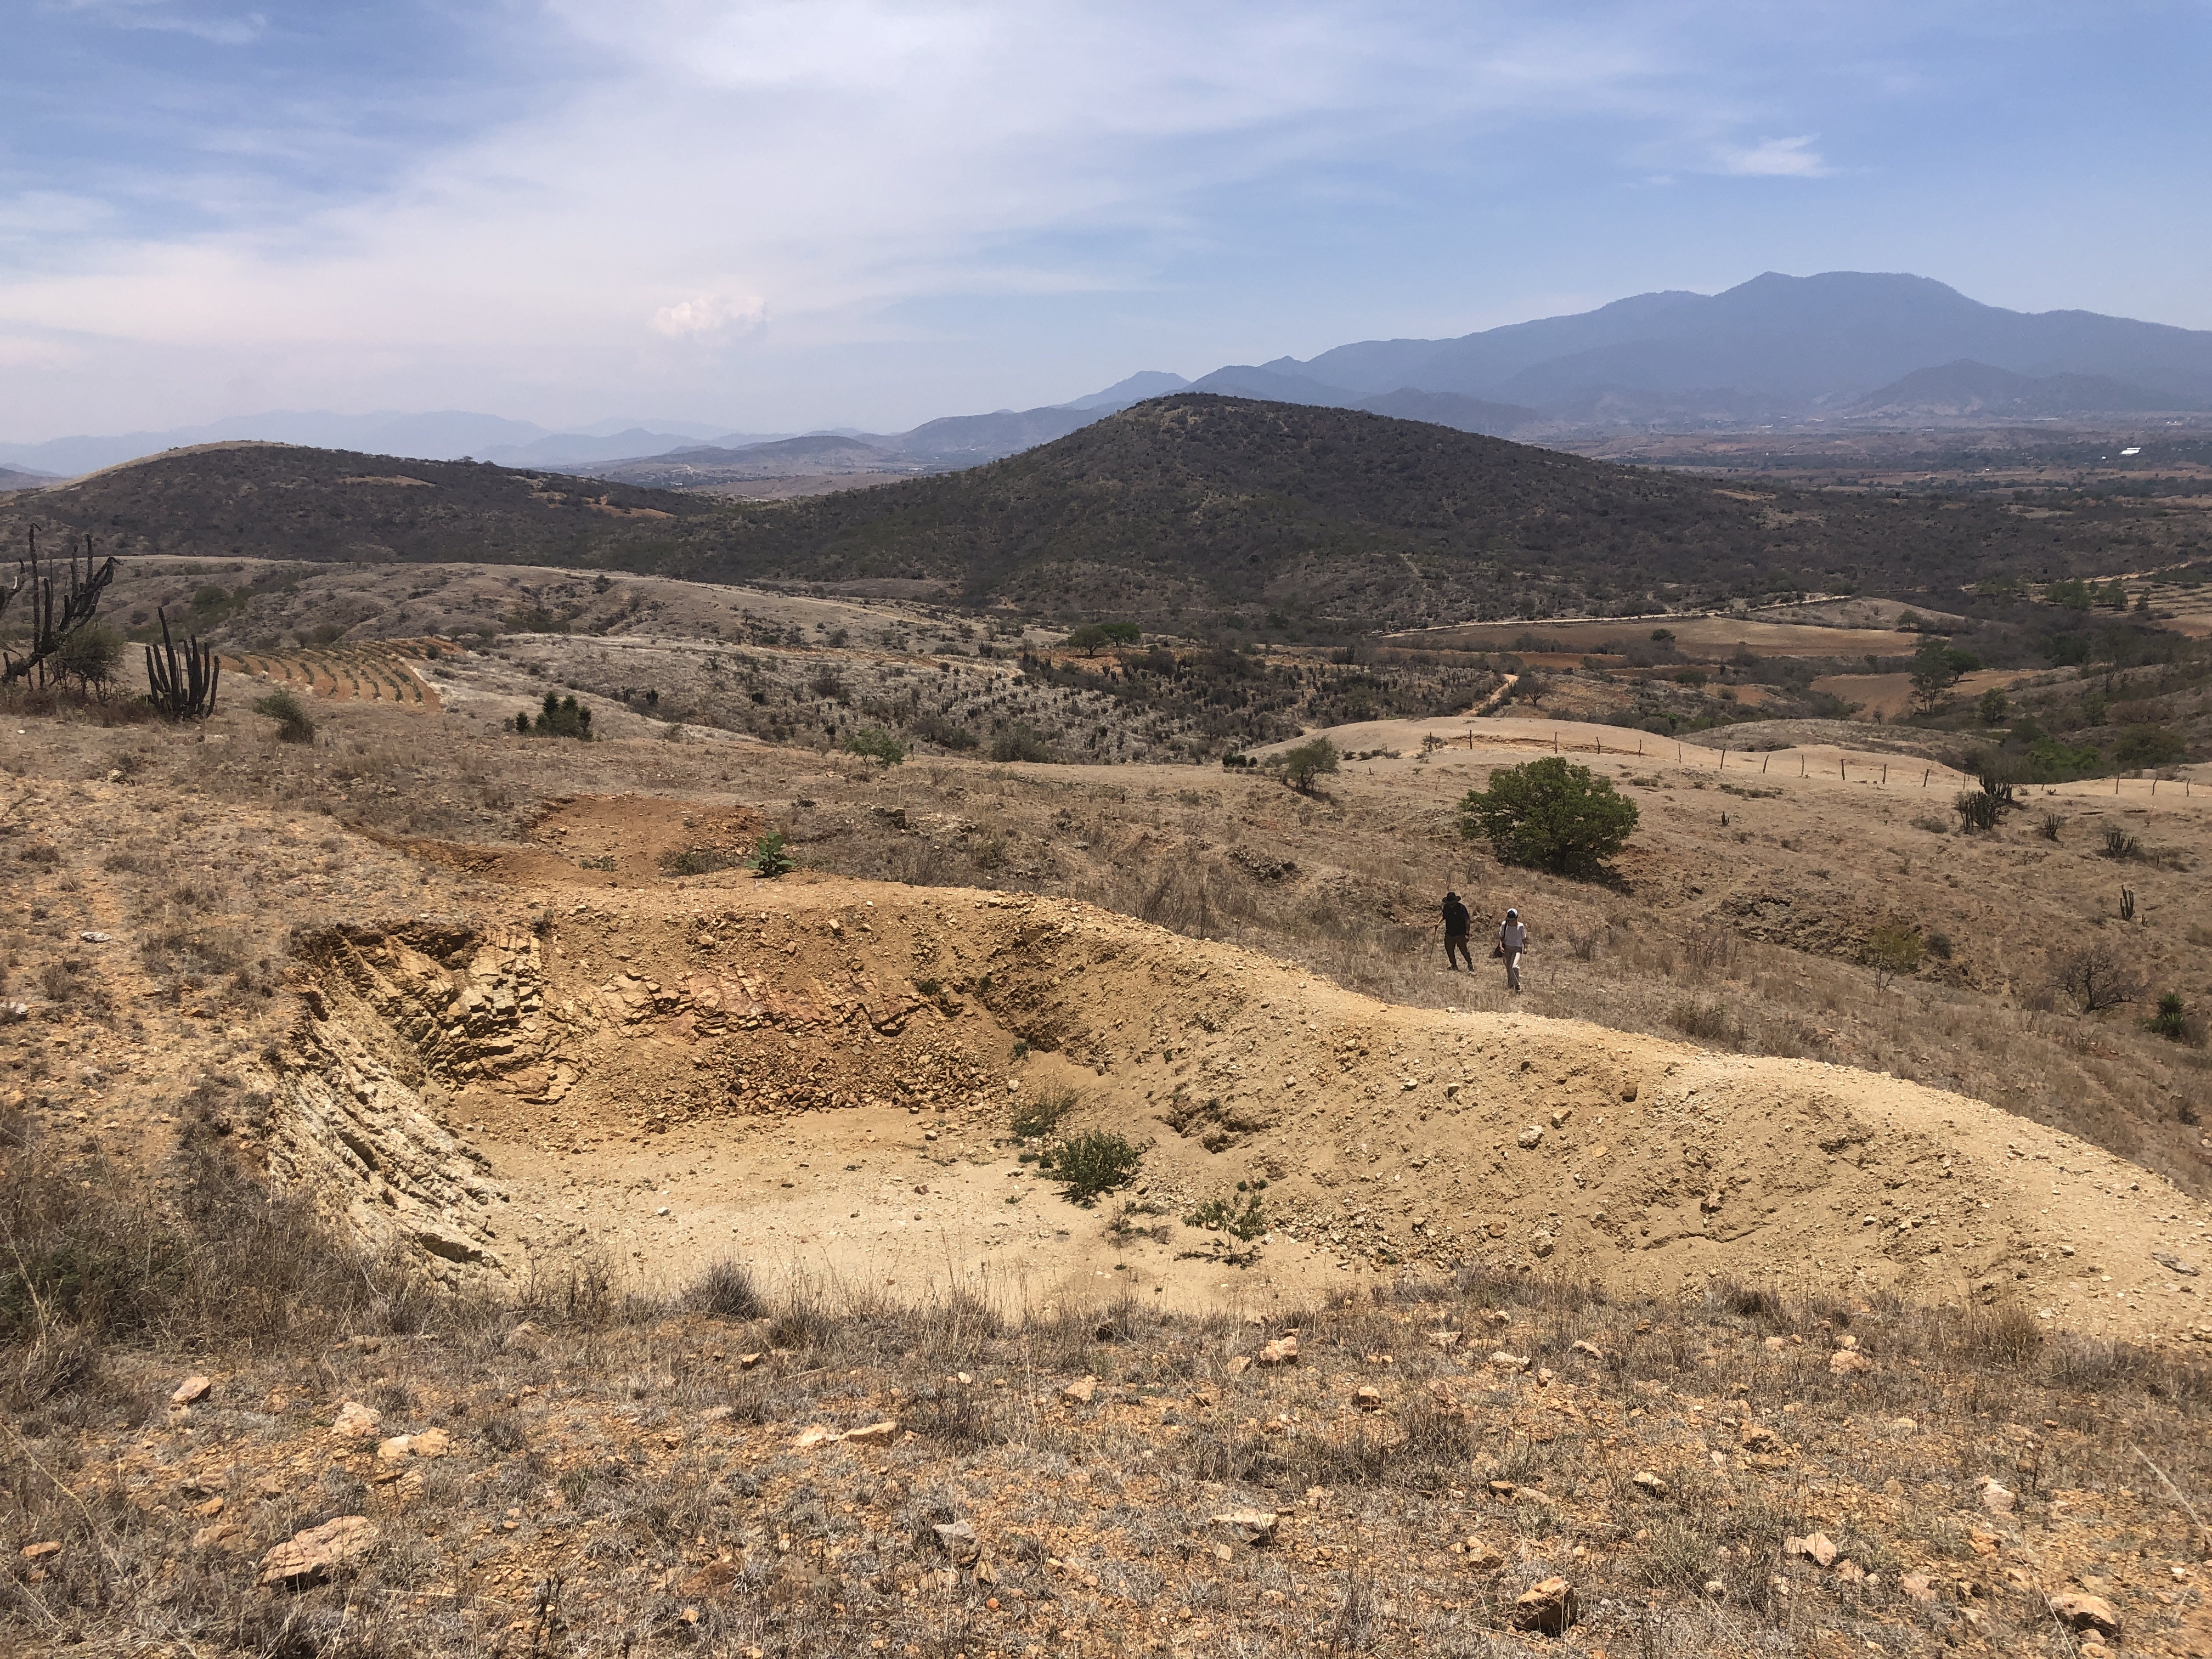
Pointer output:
x,y
1846,1363
1815,1547
1082,1391
1283,1350
1531,1137
1368,1399
40,1552
2174,1262
1510,1361
1547,1608
747,1361
1248,1525
1755,1437
94,937
815,1434
1995,1498
1850,1572
191,1389
1481,1557
2079,1612
1590,1349
524,1338
957,1540
874,1434
1445,1339
1645,1480
311,1555
354,1421
1918,1586
221,1535
1240,1364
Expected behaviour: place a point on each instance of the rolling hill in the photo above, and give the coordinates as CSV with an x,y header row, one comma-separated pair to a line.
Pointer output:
x,y
1299,517
283,501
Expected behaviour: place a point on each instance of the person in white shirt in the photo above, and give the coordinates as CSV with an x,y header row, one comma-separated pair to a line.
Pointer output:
x,y
1512,940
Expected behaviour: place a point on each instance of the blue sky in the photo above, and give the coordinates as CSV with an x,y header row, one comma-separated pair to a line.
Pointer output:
x,y
817,212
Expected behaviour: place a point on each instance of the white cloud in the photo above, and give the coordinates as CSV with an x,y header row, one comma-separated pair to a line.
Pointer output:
x,y
1775,158
711,315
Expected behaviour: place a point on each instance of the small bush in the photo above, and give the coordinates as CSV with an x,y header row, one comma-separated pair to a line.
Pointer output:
x,y
1316,758
1224,1215
1705,1022
877,746
1036,1118
293,724
1894,948
559,717
1550,814
2171,1021
1018,742
769,858
697,861
727,1290
1093,1162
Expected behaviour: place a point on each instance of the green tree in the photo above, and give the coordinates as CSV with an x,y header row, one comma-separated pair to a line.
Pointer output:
x,y
1894,948
560,717
1315,757
877,746
1550,814
1935,669
1093,637
89,656
2149,746
1993,706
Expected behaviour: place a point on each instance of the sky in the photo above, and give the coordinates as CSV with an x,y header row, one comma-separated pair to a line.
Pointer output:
x,y
771,215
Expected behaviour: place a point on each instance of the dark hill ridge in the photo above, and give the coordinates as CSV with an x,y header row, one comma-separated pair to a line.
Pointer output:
x,y
282,500
1330,519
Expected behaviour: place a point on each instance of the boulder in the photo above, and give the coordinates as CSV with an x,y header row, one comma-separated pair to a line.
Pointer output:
x,y
1648,1482
1368,1399
354,1421
1846,1362
1081,1391
311,1555
1995,1498
1547,1608
957,1540
1283,1350
2079,1613
191,1389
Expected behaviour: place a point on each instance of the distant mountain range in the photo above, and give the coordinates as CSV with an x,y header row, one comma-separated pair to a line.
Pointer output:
x,y
1843,347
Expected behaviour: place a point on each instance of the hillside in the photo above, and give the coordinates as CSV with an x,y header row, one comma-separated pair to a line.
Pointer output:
x,y
1969,388
1296,517
282,500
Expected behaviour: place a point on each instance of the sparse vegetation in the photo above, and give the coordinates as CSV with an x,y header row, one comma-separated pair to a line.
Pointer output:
x,y
1302,764
293,723
1894,948
770,857
558,717
2097,975
876,744
1040,1113
1092,1163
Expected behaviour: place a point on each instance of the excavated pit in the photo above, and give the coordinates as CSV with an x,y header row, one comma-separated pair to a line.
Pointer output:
x,y
815,1077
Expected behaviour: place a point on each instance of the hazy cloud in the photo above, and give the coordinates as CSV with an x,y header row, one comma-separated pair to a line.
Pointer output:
x,y
1777,158
710,314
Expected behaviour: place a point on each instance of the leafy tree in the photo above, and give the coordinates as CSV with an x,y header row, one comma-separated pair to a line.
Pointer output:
x,y
1550,814
1314,758
877,746
1894,948
1993,706
2149,746
1935,669
1018,742
90,655
1093,637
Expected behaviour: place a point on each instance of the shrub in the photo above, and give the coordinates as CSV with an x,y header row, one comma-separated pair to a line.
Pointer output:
x,y
294,725
1315,757
1894,948
1017,742
1093,637
1993,706
2097,976
2174,1022
935,728
696,862
877,744
1039,1117
1705,1022
1550,814
560,717
2053,823
90,655
769,858
2149,746
1093,1162
727,1290
1242,1223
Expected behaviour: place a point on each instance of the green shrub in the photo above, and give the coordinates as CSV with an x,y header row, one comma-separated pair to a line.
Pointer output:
x,y
2171,1021
1017,742
877,744
769,858
1993,706
1243,1223
560,717
1549,814
90,656
1093,1162
2048,761
294,725
1038,1117
1894,948
1093,637
2149,746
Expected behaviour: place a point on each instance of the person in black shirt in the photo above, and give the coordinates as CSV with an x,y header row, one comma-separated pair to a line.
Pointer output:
x,y
1457,924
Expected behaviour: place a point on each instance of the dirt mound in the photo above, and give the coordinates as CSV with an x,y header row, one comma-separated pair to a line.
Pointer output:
x,y
606,841
823,1072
